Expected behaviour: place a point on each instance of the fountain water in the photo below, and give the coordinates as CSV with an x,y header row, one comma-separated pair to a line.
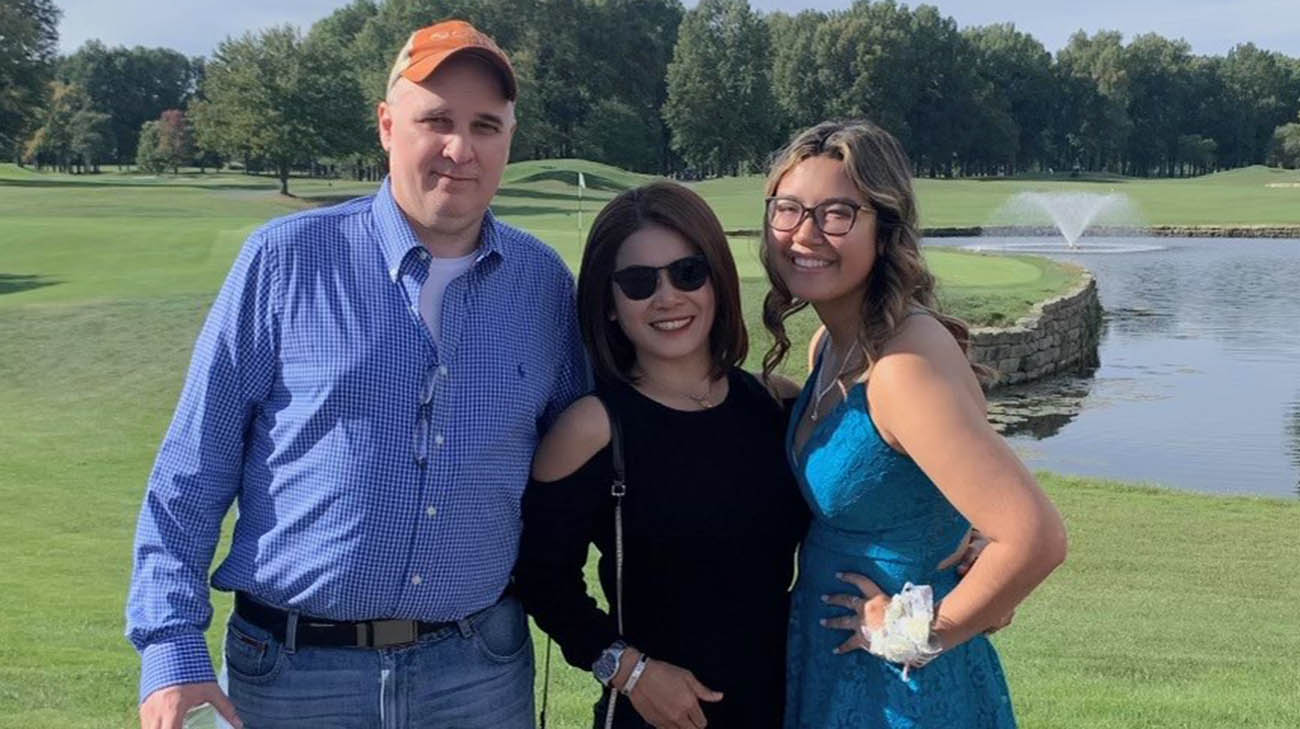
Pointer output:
x,y
1070,214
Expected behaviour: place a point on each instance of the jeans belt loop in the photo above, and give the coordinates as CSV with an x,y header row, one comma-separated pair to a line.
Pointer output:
x,y
466,630
291,632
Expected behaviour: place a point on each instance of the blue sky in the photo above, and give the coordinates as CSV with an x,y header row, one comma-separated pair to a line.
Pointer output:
x,y
194,27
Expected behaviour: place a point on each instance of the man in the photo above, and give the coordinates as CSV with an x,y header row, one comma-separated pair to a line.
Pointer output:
x,y
369,386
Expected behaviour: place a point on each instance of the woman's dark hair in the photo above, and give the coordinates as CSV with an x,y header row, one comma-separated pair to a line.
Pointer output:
x,y
678,209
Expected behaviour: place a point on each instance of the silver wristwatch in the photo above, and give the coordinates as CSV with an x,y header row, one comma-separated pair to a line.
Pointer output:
x,y
606,665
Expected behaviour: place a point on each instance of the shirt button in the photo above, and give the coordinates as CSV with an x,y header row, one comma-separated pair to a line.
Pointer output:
x,y
392,273
416,579
438,439
431,511
424,254
442,370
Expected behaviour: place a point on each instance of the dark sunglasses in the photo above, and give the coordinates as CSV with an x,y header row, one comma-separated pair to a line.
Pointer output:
x,y
640,282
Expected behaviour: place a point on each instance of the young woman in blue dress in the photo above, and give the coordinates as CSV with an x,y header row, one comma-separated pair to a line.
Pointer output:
x,y
893,452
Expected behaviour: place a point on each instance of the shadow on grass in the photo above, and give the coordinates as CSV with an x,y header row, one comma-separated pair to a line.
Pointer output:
x,y
323,199
12,283
327,200
508,210
594,180
539,194
1045,177
252,185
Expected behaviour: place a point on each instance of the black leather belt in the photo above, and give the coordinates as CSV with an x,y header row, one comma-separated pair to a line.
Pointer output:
x,y
335,633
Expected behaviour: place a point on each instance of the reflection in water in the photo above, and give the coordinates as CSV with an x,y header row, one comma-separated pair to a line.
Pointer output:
x,y
1040,409
1236,292
1130,320
1198,354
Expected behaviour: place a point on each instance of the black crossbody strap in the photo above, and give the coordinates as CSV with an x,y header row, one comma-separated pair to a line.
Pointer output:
x,y
617,489
616,451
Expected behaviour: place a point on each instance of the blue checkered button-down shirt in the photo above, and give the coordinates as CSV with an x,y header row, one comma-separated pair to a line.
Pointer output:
x,y
378,474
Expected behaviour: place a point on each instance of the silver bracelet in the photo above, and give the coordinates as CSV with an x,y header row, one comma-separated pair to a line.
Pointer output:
x,y
637,670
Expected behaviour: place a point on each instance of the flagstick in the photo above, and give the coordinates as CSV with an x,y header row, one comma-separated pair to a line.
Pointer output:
x,y
580,188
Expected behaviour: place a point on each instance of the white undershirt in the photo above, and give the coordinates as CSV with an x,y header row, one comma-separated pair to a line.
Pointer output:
x,y
442,271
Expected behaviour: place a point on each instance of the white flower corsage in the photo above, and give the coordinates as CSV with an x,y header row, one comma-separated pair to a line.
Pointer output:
x,y
905,635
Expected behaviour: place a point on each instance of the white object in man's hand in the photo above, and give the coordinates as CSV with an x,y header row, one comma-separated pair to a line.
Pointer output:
x,y
166,708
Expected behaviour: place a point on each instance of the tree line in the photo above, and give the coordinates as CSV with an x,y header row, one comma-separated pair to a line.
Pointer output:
x,y
649,86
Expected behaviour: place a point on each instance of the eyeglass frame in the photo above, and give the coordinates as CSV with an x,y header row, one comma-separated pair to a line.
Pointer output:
x,y
807,212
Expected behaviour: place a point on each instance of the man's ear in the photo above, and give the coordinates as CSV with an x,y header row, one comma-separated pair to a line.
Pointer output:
x,y
384,115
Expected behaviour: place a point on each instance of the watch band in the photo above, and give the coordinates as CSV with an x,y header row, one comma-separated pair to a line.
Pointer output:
x,y
637,670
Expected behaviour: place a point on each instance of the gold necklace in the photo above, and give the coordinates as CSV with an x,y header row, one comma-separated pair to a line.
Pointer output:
x,y
819,392
703,402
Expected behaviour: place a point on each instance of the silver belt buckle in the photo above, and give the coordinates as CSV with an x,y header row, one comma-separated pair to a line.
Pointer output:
x,y
391,632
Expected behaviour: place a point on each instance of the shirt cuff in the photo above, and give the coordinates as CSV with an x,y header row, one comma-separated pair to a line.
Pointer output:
x,y
180,659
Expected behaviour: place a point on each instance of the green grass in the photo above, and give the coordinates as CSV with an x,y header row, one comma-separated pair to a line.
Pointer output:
x,y
1173,611
1237,197
104,282
166,235
998,290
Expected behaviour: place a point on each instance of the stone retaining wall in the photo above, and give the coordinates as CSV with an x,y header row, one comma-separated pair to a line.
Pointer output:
x,y
1225,231
1058,334
1160,231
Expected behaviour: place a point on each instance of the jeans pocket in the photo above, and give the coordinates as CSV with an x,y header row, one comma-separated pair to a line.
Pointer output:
x,y
501,631
252,655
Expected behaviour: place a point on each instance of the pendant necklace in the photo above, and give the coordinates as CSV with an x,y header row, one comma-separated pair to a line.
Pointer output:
x,y
703,401
820,392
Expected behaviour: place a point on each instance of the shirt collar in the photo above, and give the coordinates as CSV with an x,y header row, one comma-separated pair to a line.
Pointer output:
x,y
397,240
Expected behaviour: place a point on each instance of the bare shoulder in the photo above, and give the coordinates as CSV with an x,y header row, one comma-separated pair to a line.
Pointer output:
x,y
922,353
781,387
578,434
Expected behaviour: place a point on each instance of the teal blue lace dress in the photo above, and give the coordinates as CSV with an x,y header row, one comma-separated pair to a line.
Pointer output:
x,y
876,513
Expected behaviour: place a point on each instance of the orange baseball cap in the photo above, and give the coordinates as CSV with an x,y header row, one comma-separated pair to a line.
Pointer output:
x,y
429,47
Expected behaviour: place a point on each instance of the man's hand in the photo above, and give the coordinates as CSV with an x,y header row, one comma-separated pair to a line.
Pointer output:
x,y
964,558
166,707
974,547
668,697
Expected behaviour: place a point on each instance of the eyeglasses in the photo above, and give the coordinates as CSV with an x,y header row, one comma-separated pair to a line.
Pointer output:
x,y
640,282
833,217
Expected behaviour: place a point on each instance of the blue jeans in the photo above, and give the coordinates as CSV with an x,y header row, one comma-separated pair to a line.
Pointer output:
x,y
474,675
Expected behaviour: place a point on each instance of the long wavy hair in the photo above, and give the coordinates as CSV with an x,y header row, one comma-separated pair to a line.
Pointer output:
x,y
899,281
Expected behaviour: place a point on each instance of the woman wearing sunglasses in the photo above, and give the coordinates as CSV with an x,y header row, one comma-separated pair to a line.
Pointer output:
x,y
710,513
894,455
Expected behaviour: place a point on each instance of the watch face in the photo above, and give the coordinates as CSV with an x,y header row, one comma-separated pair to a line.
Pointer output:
x,y
605,667
607,664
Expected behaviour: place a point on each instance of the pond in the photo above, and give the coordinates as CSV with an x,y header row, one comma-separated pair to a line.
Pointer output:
x,y
1198,385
